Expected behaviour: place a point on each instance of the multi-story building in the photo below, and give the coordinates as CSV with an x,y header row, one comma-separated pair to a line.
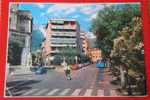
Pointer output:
x,y
61,33
94,54
20,30
84,42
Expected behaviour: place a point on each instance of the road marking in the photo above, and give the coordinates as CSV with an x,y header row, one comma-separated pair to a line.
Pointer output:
x,y
41,92
52,92
76,92
30,92
113,93
88,92
16,85
100,93
64,92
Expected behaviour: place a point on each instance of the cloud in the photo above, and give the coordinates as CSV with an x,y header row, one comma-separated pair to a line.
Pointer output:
x,y
40,5
93,16
91,9
69,11
86,9
68,8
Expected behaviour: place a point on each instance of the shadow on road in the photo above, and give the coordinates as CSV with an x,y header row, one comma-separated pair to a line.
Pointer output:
x,y
19,87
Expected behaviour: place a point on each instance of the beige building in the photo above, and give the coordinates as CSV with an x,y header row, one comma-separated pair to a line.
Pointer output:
x,y
60,33
94,54
84,42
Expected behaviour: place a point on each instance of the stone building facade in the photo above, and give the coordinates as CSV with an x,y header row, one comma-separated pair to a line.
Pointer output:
x,y
20,32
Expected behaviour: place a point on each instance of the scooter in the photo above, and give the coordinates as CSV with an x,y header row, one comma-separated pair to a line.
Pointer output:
x,y
68,75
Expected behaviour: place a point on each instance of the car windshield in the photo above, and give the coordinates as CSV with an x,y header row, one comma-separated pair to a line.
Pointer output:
x,y
98,61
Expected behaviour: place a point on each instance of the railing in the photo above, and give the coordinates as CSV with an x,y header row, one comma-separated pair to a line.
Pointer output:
x,y
63,40
64,34
63,27
63,45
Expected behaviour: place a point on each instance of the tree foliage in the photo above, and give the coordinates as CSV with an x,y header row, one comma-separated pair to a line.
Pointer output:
x,y
70,53
128,47
108,22
119,36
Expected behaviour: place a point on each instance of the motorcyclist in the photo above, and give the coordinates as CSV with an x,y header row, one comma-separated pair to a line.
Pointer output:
x,y
66,70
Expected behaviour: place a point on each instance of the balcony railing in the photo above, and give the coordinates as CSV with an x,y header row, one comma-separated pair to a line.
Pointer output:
x,y
63,45
63,27
63,40
72,34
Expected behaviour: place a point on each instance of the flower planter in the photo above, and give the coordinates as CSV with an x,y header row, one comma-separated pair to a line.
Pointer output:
x,y
74,66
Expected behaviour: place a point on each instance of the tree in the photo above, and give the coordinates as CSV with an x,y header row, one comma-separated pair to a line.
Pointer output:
x,y
108,22
119,36
57,59
84,58
69,53
128,48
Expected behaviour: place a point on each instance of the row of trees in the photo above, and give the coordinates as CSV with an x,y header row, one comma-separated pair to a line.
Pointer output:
x,y
71,55
119,36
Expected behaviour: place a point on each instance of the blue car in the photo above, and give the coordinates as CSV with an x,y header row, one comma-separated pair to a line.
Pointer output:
x,y
100,64
41,70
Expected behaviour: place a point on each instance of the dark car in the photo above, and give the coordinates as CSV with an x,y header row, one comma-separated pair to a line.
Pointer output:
x,y
41,70
34,68
100,64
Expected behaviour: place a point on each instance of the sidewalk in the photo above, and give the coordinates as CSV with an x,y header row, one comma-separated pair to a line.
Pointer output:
x,y
21,71
104,82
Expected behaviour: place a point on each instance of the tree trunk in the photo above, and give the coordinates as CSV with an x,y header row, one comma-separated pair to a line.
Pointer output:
x,y
122,77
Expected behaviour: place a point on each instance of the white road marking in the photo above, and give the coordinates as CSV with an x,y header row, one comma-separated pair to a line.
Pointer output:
x,y
64,92
30,92
113,93
41,92
76,92
88,92
100,93
52,92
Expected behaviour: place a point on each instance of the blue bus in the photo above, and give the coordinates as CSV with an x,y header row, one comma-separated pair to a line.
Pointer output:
x,y
100,63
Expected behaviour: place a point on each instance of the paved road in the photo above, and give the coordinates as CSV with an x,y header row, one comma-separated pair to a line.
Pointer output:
x,y
87,81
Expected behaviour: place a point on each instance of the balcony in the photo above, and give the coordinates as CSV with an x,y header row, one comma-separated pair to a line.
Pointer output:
x,y
69,34
73,27
63,40
63,45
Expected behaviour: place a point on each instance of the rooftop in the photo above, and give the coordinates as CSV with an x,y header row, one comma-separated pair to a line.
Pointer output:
x,y
62,19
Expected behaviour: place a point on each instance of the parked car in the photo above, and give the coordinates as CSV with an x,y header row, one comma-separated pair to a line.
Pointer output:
x,y
100,64
41,70
34,68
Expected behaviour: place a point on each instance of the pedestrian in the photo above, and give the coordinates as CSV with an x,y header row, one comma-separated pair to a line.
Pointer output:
x,y
67,70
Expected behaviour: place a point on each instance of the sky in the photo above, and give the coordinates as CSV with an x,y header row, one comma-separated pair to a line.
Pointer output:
x,y
82,12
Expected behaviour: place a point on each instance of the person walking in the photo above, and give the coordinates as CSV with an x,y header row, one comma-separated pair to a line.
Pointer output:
x,y
67,70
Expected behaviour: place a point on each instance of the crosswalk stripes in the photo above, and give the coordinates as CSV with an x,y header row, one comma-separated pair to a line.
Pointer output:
x,y
69,92
76,92
40,92
100,92
30,92
64,92
52,92
113,93
88,92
